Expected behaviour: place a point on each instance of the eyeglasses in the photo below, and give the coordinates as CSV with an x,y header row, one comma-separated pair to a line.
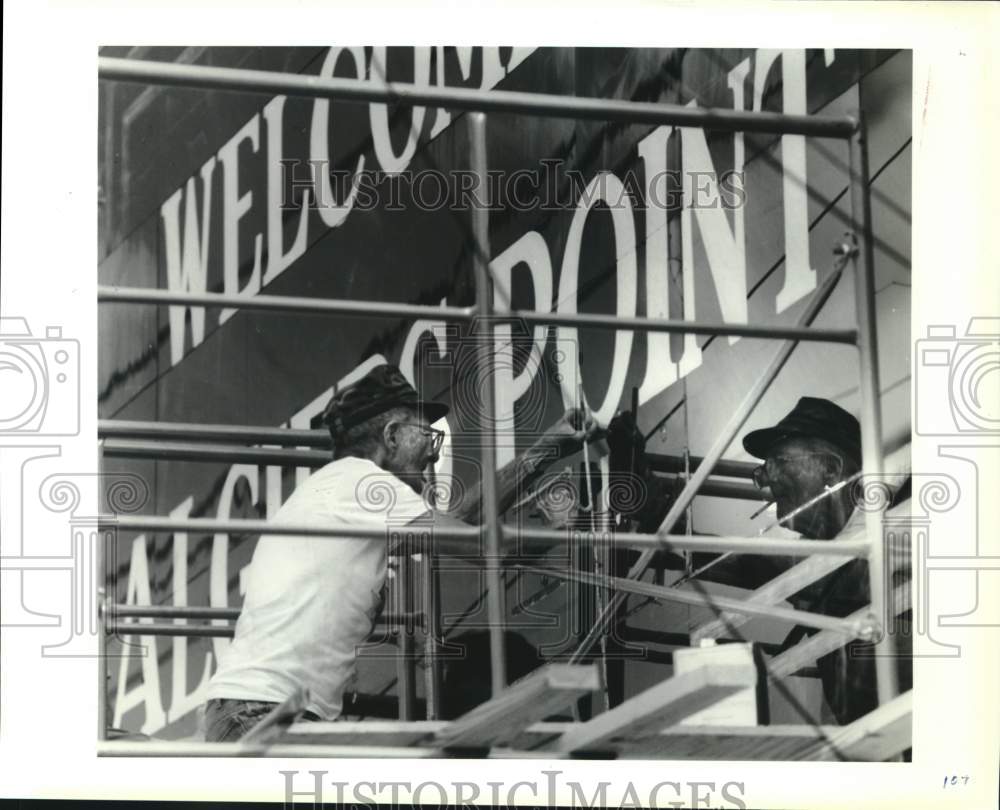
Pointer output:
x,y
773,466
436,436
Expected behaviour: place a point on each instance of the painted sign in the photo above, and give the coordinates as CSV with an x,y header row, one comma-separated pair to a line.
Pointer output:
x,y
372,202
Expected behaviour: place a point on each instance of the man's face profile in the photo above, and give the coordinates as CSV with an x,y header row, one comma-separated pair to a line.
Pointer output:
x,y
411,450
797,470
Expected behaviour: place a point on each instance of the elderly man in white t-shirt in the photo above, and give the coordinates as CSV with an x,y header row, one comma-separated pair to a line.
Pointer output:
x,y
310,602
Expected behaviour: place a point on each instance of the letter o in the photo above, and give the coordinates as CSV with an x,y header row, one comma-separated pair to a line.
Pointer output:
x,y
605,187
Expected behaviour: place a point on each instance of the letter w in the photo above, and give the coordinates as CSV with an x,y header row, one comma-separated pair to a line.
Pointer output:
x,y
187,264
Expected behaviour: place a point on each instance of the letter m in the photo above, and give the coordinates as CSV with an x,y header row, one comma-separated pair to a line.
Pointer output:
x,y
187,262
599,799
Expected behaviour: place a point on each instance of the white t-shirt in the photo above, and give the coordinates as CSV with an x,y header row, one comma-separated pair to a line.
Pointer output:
x,y
310,601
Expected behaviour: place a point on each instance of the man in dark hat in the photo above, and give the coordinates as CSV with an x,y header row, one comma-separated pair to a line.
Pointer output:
x,y
310,602
806,455
812,449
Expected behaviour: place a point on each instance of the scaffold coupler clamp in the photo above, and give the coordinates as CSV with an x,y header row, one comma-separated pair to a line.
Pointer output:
x,y
848,248
869,629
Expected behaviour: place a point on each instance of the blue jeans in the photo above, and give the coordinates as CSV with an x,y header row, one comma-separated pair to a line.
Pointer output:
x,y
228,720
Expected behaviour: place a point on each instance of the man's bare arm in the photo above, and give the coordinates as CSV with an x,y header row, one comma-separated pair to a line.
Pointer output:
x,y
560,441
563,439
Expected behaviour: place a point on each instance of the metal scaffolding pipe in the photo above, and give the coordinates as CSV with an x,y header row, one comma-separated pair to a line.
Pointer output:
x,y
188,431
406,659
484,366
314,459
659,462
102,633
872,461
171,612
116,612
766,546
714,455
165,523
430,578
280,303
190,630
178,451
292,437
680,327
715,488
541,104
464,536
153,629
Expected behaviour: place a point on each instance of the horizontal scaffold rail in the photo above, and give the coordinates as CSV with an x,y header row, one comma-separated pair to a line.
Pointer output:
x,y
182,451
189,431
314,459
229,614
376,309
190,630
487,101
778,546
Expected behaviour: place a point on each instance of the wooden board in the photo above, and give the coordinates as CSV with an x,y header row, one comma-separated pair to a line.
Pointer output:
x,y
534,697
363,733
760,743
879,735
739,709
665,704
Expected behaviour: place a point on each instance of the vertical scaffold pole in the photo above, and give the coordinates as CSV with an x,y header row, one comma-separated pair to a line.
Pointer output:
x,y
430,582
101,578
484,365
871,413
406,671
432,633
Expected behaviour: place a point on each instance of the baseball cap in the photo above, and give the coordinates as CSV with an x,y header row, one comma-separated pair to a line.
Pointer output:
x,y
381,389
811,417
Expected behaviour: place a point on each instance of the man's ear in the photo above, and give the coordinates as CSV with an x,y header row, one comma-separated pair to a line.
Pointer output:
x,y
390,434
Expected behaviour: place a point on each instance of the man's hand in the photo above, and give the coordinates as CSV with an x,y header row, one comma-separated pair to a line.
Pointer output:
x,y
567,435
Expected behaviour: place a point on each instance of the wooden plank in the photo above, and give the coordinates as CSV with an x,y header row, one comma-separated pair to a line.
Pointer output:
x,y
397,733
777,590
738,709
534,697
761,743
826,641
390,733
879,735
665,704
